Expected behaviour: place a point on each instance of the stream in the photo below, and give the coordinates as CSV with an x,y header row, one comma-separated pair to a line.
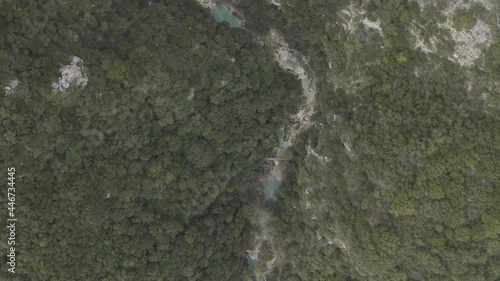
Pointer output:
x,y
271,182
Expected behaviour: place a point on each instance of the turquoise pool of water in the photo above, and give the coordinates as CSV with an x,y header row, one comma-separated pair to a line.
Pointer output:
x,y
252,263
221,13
271,186
293,62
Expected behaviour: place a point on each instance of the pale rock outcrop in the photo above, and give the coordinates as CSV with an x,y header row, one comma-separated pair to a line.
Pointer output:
x,y
73,74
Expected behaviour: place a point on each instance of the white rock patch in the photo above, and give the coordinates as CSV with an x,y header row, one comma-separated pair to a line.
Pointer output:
x,y
11,88
461,4
351,17
276,3
374,25
348,147
322,159
73,74
420,44
452,6
468,43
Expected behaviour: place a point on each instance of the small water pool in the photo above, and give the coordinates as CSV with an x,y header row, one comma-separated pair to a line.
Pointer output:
x,y
221,13
271,186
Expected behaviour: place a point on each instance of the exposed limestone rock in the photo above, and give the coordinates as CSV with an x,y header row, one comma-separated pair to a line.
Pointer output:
x,y
469,43
374,25
11,88
73,74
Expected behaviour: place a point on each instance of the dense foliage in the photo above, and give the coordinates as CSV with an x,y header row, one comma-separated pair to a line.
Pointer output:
x,y
410,190
144,173
147,172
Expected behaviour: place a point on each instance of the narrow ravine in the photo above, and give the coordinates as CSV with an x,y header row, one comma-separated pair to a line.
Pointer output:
x,y
291,61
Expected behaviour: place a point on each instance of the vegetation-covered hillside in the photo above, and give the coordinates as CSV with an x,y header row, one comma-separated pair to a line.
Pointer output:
x,y
140,167
138,130
399,179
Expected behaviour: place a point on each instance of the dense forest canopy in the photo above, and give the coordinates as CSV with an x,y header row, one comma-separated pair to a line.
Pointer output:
x,y
408,120
139,131
143,172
